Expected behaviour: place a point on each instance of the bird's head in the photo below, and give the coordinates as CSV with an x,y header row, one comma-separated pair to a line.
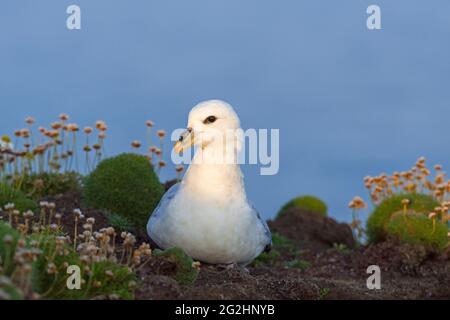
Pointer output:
x,y
210,121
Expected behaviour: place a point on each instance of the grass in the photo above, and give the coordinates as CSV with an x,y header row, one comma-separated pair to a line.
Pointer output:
x,y
284,253
185,271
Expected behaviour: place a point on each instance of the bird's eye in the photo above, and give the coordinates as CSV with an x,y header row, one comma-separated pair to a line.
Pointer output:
x,y
210,119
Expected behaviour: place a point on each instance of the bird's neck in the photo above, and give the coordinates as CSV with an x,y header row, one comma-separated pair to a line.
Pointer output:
x,y
212,177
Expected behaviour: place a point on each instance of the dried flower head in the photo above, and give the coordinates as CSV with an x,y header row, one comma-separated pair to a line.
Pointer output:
x,y
101,125
196,265
29,120
136,144
357,203
9,206
63,117
161,133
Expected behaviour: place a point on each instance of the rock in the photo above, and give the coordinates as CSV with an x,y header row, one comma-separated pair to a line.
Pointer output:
x,y
312,231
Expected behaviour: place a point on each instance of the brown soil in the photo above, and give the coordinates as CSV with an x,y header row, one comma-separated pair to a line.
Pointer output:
x,y
312,232
407,272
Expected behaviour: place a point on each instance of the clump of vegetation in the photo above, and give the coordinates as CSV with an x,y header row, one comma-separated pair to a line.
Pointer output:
x,y
284,253
342,248
125,185
20,200
381,215
186,269
120,222
100,276
323,293
267,257
35,253
280,245
8,291
298,264
36,186
309,203
410,206
8,243
418,229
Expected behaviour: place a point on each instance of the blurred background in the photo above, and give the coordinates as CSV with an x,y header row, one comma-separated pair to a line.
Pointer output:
x,y
349,102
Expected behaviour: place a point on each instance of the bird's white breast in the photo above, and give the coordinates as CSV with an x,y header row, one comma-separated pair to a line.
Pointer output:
x,y
209,227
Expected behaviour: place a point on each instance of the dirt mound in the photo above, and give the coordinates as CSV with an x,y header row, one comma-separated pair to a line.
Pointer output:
x,y
407,260
312,231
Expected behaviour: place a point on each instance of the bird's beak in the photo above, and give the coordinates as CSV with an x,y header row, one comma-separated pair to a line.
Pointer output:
x,y
186,141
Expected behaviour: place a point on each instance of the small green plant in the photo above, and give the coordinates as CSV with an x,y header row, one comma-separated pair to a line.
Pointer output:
x,y
99,278
119,222
49,275
185,272
418,229
37,186
309,203
279,243
267,258
323,293
342,248
282,247
35,255
126,185
298,264
380,217
10,195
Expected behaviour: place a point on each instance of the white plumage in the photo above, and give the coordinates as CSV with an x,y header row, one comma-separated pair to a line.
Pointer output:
x,y
207,214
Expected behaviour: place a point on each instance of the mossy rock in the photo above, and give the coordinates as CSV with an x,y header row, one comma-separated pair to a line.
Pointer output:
x,y
7,250
308,203
126,185
184,273
21,202
378,220
8,291
417,229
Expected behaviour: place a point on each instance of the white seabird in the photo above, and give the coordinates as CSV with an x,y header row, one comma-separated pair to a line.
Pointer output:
x,y
207,214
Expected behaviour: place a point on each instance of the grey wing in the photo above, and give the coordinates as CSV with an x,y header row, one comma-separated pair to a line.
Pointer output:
x,y
158,214
165,200
268,246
